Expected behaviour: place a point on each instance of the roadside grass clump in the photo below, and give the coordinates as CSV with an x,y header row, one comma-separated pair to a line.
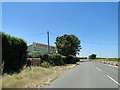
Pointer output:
x,y
0,82
45,64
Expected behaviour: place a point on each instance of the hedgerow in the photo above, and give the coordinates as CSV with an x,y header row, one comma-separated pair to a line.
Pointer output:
x,y
14,53
57,59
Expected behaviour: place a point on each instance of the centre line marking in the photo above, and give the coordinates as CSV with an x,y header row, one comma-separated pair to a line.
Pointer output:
x,y
98,69
113,79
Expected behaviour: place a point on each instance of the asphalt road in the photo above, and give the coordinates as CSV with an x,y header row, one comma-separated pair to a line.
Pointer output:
x,y
88,75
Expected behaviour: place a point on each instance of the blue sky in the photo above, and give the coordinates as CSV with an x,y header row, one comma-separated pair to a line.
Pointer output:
x,y
95,24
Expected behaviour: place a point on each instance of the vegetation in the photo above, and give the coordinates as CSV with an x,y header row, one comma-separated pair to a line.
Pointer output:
x,y
82,57
68,45
110,59
57,60
14,56
37,77
93,56
14,53
45,64
35,55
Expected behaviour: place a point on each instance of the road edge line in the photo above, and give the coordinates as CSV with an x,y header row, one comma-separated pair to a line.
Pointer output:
x,y
113,79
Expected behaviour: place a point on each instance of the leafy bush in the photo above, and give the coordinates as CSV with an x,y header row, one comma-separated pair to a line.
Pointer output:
x,y
57,59
71,59
14,53
44,57
36,55
53,59
45,64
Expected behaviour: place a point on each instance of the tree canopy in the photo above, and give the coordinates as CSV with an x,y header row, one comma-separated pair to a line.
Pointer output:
x,y
92,56
68,45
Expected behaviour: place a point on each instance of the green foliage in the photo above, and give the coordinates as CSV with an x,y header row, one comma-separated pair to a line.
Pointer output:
x,y
71,59
14,53
36,55
82,57
68,45
44,57
57,59
45,64
93,56
54,59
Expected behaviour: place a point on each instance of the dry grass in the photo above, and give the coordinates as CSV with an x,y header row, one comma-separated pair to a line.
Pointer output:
x,y
0,82
108,61
37,77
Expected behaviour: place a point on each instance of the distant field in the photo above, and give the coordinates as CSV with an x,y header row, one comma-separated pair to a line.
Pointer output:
x,y
110,59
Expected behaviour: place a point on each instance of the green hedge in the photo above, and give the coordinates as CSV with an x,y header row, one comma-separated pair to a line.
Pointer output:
x,y
14,53
71,59
57,59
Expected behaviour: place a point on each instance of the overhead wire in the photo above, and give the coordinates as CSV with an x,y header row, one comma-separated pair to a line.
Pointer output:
x,y
33,34
98,43
92,42
55,34
80,40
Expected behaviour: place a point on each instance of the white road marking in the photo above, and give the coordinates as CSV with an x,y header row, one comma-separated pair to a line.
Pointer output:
x,y
98,69
113,79
111,65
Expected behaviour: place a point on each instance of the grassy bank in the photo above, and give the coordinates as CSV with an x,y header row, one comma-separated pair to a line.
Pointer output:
x,y
37,77
109,59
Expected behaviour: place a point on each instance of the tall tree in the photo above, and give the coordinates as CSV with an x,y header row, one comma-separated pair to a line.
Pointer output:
x,y
93,56
68,45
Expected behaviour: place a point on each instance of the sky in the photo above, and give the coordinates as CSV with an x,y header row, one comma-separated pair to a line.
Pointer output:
x,y
94,23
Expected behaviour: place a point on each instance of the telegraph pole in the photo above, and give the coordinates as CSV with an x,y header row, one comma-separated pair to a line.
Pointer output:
x,y
48,42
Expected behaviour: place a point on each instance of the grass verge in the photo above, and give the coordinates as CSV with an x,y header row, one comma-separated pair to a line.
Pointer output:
x,y
114,62
109,59
37,77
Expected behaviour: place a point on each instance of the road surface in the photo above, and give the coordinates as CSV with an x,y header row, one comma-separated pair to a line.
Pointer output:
x,y
88,75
